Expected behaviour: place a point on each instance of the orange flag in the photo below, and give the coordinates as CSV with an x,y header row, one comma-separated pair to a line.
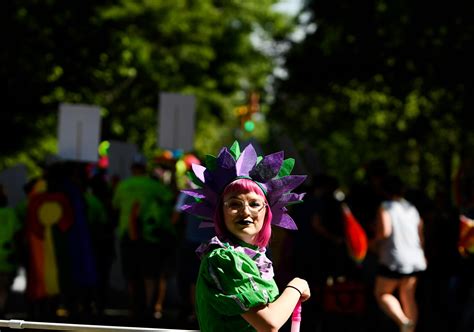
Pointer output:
x,y
466,236
356,238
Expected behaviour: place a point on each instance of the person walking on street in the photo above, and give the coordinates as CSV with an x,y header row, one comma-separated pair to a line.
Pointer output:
x,y
399,241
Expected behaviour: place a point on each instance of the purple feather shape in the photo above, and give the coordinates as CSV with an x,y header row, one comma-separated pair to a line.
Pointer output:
x,y
266,172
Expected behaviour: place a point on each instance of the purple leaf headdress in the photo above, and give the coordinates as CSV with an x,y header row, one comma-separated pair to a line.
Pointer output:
x,y
271,173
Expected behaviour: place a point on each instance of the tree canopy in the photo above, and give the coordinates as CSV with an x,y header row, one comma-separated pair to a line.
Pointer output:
x,y
372,79
121,54
382,79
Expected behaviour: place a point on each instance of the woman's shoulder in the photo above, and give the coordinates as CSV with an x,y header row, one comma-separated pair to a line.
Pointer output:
x,y
208,247
229,265
228,256
224,253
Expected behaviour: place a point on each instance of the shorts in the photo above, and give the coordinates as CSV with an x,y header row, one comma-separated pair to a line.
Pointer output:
x,y
385,272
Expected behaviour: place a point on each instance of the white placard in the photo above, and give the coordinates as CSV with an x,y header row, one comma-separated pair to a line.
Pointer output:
x,y
176,121
13,179
120,158
78,132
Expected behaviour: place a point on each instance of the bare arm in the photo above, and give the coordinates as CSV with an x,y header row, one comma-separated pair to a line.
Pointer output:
x,y
271,317
383,225
421,233
383,228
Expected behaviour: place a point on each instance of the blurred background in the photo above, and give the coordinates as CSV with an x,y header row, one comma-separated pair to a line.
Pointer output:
x,y
353,91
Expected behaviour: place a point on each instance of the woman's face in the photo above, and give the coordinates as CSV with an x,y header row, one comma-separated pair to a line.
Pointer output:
x,y
244,215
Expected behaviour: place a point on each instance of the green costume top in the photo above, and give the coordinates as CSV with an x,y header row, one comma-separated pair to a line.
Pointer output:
x,y
9,226
96,213
233,278
155,204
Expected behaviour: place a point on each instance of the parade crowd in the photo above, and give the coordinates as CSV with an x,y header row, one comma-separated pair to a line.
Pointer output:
x,y
77,221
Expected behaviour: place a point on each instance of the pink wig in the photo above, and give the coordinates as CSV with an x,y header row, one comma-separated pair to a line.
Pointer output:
x,y
242,186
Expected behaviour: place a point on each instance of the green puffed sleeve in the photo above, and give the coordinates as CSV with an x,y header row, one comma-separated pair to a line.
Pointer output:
x,y
234,283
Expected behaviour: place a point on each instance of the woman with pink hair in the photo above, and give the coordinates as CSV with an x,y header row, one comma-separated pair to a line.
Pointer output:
x,y
235,290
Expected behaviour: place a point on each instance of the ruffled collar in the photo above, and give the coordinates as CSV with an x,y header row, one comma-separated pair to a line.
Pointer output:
x,y
257,254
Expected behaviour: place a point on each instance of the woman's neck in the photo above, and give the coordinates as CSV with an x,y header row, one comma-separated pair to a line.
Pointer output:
x,y
241,242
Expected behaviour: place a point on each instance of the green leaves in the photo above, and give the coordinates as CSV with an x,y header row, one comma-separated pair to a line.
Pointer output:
x,y
286,167
381,80
121,54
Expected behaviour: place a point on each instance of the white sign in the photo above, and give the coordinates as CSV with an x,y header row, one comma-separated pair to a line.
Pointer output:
x,y
176,121
13,179
120,158
78,132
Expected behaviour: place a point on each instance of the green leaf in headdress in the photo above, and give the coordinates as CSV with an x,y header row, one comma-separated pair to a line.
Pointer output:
x,y
259,159
235,150
194,179
286,167
211,162
294,202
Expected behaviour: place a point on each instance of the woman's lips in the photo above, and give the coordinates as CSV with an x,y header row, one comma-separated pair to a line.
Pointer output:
x,y
245,222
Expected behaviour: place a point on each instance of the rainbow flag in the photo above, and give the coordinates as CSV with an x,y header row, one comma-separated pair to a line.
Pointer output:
x,y
45,211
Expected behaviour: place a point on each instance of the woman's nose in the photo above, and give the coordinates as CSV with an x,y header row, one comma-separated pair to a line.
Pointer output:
x,y
246,209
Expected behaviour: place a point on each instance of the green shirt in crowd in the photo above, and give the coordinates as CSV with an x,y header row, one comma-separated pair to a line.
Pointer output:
x,y
9,227
154,199
96,213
